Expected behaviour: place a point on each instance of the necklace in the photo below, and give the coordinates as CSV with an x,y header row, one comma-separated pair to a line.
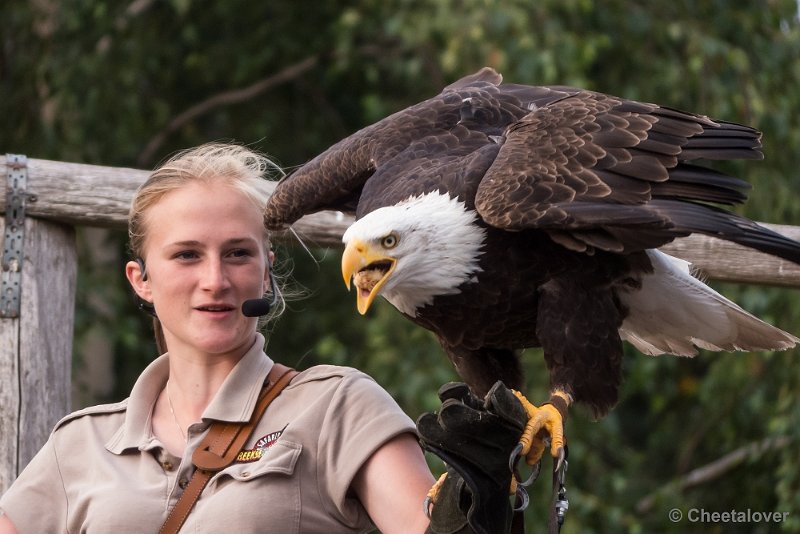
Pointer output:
x,y
174,418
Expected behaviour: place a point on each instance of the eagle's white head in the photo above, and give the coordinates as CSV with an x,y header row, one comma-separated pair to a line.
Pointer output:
x,y
413,251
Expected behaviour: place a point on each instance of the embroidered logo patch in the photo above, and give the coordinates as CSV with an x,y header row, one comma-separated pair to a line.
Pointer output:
x,y
261,446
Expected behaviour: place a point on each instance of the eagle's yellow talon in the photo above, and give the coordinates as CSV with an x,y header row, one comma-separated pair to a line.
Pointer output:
x,y
544,418
535,452
433,493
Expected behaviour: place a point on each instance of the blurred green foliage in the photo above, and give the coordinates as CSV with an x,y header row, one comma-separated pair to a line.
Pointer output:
x,y
104,82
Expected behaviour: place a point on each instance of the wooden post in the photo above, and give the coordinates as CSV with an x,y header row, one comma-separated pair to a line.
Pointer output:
x,y
36,347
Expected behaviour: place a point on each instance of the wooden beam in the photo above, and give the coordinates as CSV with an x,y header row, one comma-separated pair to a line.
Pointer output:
x,y
93,195
725,261
36,347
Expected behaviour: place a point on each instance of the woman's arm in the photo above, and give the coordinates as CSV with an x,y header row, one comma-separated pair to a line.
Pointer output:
x,y
392,486
6,526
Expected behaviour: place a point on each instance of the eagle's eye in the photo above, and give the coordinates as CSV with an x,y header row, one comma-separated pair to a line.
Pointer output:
x,y
390,241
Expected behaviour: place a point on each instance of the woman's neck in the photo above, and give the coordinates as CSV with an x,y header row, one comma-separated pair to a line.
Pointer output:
x,y
195,381
195,378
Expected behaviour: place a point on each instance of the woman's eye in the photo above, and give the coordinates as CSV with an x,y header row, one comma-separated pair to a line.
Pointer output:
x,y
241,253
185,255
390,241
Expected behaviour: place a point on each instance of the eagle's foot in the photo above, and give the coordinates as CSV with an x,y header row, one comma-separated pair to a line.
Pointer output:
x,y
433,494
545,423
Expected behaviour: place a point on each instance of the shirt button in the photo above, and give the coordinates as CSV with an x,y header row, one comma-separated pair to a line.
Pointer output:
x,y
245,474
167,466
183,483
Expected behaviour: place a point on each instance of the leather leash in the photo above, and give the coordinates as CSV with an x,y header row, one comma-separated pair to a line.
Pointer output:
x,y
221,446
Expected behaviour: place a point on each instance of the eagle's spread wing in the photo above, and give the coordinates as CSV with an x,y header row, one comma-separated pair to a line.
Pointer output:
x,y
592,170
444,143
590,167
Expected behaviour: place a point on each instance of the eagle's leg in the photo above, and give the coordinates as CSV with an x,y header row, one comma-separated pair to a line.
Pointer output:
x,y
578,329
545,421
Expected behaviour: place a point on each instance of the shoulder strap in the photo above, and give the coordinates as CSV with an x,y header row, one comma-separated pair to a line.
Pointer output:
x,y
220,447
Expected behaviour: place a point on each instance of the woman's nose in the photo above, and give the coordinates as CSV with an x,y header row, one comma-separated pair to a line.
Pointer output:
x,y
214,277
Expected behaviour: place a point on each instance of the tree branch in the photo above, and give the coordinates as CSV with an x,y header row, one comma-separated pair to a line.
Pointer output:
x,y
225,98
713,470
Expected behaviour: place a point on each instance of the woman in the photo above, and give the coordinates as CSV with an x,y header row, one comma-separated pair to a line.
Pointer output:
x,y
332,453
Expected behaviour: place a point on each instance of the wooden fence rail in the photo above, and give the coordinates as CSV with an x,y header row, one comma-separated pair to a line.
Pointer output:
x,y
36,347
93,195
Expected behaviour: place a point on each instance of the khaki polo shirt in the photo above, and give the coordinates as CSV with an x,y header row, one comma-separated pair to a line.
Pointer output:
x,y
103,470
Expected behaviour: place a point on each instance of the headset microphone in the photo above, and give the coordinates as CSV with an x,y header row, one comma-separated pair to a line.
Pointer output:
x,y
256,307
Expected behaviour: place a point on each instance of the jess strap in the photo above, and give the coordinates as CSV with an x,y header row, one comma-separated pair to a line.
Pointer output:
x,y
220,447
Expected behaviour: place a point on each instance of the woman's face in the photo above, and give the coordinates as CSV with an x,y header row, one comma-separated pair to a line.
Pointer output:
x,y
204,256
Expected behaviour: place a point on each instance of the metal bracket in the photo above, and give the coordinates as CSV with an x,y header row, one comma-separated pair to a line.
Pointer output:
x,y
11,286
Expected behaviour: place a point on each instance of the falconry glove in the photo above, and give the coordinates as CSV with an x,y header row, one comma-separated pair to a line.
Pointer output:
x,y
475,438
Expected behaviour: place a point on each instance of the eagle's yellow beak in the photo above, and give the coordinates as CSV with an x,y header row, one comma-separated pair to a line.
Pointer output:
x,y
368,268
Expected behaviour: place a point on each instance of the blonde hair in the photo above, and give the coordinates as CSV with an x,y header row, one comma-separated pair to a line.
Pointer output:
x,y
235,165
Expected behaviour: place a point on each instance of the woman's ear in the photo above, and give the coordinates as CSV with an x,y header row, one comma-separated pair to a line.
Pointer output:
x,y
137,277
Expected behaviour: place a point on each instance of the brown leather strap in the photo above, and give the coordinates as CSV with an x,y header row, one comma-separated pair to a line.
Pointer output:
x,y
220,447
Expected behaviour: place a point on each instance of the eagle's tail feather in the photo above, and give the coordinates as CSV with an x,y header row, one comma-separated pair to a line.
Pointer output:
x,y
675,313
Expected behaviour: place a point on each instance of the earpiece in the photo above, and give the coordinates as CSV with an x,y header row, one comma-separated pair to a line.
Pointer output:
x,y
140,302
145,306
140,261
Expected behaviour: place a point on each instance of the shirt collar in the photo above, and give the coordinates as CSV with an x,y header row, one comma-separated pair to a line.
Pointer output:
x,y
234,402
238,394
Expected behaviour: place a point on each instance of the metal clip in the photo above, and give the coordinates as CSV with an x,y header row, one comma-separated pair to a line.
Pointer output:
x,y
562,504
11,274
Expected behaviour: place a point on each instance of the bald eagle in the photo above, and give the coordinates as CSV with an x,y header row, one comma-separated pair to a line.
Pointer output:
x,y
504,216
